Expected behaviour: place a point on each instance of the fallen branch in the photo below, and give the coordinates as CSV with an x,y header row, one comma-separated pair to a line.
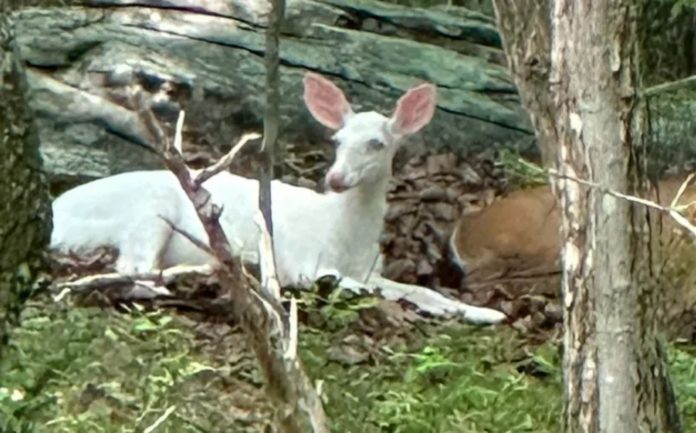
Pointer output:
x,y
93,282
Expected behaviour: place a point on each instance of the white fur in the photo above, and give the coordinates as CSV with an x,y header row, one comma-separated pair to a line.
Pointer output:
x,y
314,234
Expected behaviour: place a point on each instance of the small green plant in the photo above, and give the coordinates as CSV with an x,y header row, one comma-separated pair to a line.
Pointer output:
x,y
520,172
431,358
330,305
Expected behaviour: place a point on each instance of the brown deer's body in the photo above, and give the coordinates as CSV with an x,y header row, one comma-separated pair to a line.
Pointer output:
x,y
516,235
519,235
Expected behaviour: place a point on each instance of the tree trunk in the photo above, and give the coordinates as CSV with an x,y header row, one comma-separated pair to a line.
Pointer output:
x,y
525,31
24,204
615,375
271,118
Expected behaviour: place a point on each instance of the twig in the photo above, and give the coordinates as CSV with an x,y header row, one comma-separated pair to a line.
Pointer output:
x,y
291,349
160,420
195,241
179,132
160,139
226,160
669,86
166,276
671,211
372,267
269,278
682,188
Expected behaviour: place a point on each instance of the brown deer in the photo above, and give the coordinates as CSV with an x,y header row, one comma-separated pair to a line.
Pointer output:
x,y
518,236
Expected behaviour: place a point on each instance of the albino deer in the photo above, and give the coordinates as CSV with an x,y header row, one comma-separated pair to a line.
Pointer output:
x,y
335,233
519,235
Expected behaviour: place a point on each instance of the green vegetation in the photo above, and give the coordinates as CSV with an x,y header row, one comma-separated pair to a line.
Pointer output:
x,y
89,370
520,172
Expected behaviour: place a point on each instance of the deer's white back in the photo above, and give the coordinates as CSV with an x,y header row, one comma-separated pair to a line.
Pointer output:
x,y
314,233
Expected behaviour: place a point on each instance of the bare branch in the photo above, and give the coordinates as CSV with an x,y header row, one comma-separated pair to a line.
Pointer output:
x,y
372,267
261,315
670,210
153,127
273,337
271,114
165,276
226,160
682,188
178,147
195,241
269,278
670,86
291,350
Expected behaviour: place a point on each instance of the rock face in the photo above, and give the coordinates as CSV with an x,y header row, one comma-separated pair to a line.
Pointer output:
x,y
206,57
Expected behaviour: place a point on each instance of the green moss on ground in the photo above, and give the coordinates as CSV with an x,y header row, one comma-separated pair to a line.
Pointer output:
x,y
89,370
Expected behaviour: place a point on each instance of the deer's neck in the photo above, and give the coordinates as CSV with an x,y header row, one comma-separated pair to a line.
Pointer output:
x,y
366,204
359,218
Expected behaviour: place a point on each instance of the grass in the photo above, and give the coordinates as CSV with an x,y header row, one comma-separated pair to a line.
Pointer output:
x,y
459,379
90,370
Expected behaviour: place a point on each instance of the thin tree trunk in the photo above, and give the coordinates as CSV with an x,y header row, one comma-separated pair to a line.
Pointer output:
x,y
25,215
588,109
270,118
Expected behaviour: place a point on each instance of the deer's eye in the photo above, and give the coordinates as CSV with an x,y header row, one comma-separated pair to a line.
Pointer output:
x,y
375,144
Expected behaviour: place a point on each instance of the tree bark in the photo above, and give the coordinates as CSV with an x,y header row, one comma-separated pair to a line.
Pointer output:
x,y
25,216
525,30
588,110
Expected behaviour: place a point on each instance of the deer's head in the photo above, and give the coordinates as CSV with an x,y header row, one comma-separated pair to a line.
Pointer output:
x,y
365,142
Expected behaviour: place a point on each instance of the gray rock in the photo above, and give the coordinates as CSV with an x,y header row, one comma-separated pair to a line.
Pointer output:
x,y
206,57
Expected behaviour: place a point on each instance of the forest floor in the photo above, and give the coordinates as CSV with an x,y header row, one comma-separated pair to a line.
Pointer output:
x,y
379,369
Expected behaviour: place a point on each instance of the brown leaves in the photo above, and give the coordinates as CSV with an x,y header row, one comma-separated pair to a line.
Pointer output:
x,y
427,197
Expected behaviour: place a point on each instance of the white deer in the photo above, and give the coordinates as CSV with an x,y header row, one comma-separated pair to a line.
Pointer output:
x,y
335,233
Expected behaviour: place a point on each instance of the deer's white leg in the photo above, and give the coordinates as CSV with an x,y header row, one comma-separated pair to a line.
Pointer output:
x,y
142,245
424,299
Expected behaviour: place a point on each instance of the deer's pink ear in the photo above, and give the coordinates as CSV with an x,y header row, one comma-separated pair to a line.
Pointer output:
x,y
325,101
414,110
